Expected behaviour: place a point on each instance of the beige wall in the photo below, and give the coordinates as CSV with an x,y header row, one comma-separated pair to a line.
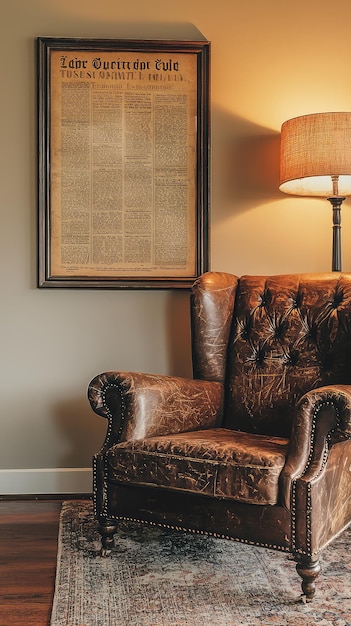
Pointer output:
x,y
271,60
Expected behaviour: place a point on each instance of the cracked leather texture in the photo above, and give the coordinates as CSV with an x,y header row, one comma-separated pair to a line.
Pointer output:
x,y
216,462
145,405
271,360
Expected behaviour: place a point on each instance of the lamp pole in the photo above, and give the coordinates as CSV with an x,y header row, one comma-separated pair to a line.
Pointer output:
x,y
336,202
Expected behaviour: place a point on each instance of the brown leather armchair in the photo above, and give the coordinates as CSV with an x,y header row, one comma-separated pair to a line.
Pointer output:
x,y
257,446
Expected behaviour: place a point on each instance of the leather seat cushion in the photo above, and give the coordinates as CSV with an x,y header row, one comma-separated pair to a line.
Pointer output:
x,y
217,462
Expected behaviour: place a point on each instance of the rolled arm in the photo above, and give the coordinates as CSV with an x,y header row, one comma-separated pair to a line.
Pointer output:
x,y
141,405
323,418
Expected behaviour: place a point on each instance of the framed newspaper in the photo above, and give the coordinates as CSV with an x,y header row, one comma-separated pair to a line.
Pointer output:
x,y
123,132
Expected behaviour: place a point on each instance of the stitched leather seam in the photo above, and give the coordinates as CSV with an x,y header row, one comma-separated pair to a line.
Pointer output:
x,y
207,461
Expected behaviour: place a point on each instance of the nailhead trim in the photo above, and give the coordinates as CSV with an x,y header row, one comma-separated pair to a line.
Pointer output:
x,y
104,391
309,551
198,532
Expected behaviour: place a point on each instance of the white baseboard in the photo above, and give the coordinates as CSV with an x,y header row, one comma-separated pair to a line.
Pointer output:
x,y
46,481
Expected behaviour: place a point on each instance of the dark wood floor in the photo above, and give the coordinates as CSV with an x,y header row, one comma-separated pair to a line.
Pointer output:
x,y
28,549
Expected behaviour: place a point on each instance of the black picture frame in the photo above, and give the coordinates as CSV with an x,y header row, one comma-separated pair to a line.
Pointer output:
x,y
163,82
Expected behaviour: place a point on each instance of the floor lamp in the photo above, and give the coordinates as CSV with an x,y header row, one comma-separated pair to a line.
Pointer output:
x,y
315,160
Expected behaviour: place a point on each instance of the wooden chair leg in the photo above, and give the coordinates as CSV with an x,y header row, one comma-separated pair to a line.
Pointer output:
x,y
308,568
106,530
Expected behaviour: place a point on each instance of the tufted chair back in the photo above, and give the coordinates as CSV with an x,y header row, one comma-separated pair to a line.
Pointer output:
x,y
270,340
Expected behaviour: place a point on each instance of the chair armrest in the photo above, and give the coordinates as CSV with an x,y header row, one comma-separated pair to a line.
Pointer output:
x,y
323,418
144,405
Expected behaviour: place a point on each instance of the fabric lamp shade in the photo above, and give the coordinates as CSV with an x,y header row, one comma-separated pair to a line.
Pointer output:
x,y
315,149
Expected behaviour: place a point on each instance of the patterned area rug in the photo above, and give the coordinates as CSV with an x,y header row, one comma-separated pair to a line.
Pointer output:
x,y
157,577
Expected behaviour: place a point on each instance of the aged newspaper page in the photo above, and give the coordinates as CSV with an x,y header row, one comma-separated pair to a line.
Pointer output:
x,y
123,164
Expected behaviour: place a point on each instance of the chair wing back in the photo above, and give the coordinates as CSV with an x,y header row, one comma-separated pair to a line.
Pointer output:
x,y
271,339
212,307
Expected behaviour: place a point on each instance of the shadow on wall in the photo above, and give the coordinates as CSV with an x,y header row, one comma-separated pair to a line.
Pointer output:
x,y
157,30
245,164
84,431
81,428
178,339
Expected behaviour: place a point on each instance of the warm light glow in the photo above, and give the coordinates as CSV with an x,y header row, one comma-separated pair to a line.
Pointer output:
x,y
317,186
313,149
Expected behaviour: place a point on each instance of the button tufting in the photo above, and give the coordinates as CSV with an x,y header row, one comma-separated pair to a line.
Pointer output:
x,y
338,299
312,333
291,358
245,328
279,330
245,333
297,301
258,357
262,300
